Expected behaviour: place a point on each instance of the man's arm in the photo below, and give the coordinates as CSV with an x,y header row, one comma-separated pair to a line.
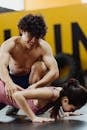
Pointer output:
x,y
51,64
5,56
4,61
51,75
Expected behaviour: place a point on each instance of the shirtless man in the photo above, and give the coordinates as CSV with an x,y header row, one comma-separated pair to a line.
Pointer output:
x,y
27,60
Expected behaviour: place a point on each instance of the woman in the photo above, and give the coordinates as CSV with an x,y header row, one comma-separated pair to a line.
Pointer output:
x,y
36,101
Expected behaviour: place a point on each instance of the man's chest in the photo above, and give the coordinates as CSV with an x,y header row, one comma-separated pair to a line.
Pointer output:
x,y
26,58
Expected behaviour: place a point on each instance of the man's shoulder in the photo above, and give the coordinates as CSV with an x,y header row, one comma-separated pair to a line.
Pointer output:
x,y
13,39
9,43
45,46
44,43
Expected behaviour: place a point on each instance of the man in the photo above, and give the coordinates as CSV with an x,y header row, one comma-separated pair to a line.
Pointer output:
x,y
27,60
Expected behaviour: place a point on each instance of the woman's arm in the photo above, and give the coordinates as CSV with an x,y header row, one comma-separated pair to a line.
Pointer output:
x,y
39,93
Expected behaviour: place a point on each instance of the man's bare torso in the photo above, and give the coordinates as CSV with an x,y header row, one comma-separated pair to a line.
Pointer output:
x,y
22,58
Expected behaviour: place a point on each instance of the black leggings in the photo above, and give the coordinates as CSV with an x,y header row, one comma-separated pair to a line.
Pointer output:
x,y
22,81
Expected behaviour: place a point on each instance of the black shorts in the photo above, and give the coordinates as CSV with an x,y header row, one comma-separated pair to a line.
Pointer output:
x,y
22,81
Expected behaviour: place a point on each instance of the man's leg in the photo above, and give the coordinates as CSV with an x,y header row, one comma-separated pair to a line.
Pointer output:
x,y
11,111
2,105
38,70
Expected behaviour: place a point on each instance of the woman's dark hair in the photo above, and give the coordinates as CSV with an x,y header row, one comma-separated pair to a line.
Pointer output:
x,y
34,24
76,94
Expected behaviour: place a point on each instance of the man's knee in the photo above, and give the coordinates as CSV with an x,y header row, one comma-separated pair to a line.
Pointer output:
x,y
38,70
39,66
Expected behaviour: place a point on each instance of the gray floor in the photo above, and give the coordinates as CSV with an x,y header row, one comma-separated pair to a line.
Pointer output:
x,y
21,123
83,117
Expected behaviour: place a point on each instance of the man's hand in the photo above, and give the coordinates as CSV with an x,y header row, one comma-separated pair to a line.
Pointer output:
x,y
33,86
10,89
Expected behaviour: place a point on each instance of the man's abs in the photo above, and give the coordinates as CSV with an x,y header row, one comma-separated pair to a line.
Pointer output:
x,y
18,70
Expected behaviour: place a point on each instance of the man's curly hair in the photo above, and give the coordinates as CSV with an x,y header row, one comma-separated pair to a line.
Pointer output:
x,y
34,24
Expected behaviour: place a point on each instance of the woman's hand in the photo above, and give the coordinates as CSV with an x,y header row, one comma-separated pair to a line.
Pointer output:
x,y
63,114
42,119
72,114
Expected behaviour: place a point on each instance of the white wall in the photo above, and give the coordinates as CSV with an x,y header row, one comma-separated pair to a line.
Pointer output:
x,y
84,1
12,4
41,4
